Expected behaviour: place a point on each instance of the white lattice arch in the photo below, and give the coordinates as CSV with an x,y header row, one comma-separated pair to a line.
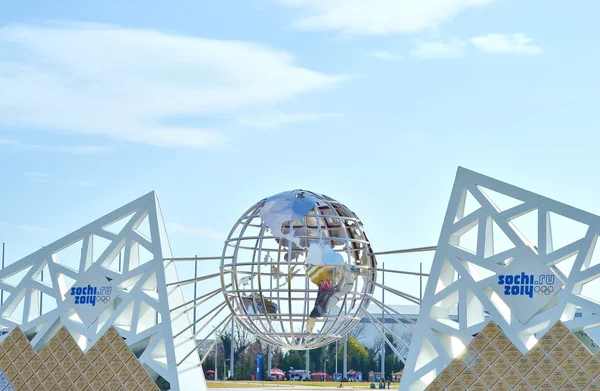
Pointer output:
x,y
464,271
134,246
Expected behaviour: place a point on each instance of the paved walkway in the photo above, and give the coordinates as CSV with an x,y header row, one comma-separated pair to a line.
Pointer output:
x,y
295,388
239,385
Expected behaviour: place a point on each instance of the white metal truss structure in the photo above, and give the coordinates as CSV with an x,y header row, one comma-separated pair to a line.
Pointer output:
x,y
130,246
487,225
395,329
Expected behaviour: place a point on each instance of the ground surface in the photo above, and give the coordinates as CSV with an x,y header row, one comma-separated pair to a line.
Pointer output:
x,y
230,385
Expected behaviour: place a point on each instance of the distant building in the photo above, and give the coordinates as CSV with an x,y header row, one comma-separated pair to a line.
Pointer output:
x,y
203,347
403,325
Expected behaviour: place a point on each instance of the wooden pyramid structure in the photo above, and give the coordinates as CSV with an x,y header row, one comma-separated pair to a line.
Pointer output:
x,y
559,361
109,365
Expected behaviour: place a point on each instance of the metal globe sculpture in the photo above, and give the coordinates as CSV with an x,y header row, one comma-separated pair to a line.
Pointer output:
x,y
297,270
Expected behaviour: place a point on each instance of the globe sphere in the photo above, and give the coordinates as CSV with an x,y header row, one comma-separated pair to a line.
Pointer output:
x,y
297,270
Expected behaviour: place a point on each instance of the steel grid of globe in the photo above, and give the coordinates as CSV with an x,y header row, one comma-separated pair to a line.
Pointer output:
x,y
270,288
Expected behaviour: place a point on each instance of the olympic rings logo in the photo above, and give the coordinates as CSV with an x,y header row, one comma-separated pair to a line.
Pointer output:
x,y
103,299
543,289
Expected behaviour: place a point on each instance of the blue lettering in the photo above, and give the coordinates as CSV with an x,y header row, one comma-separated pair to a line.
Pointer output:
x,y
90,294
105,290
522,284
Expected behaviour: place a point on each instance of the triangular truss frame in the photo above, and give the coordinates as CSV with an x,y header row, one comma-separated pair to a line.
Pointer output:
x,y
462,274
147,287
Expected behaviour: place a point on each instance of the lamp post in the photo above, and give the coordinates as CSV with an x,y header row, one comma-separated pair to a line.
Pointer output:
x,y
345,366
216,354
324,371
232,350
383,321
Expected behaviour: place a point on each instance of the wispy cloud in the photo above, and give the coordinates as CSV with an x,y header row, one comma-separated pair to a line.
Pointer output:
x,y
22,227
74,150
29,228
431,50
46,178
377,17
273,120
129,84
202,232
506,43
384,55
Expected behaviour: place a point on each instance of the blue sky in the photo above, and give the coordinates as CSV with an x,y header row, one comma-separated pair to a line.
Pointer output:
x,y
216,105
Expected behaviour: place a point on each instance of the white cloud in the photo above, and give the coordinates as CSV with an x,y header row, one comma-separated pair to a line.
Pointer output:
x,y
505,43
133,85
202,232
273,120
45,178
430,50
384,55
22,227
74,150
377,17
29,228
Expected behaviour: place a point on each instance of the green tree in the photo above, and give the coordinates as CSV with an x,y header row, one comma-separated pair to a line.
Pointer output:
x,y
209,363
358,356
226,344
279,359
293,360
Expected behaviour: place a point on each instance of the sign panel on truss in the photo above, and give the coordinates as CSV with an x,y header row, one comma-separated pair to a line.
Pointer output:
x,y
526,286
91,295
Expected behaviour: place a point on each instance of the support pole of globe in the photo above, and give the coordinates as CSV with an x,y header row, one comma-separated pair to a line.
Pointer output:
x,y
336,356
269,360
307,361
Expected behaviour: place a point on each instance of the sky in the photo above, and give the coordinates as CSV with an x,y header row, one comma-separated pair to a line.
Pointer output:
x,y
216,105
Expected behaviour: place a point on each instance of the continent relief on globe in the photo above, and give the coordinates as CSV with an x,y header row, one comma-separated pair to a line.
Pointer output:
x,y
325,267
